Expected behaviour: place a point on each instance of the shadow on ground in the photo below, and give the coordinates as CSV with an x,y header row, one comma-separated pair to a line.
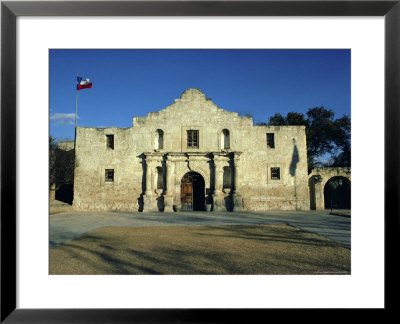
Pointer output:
x,y
230,249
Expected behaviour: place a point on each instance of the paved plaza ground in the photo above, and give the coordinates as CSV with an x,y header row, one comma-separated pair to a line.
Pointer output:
x,y
65,226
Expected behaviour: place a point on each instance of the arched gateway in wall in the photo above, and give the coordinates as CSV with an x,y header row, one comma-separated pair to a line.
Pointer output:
x,y
317,181
337,193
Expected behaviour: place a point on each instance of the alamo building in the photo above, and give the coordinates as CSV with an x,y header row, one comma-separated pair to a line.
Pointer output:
x,y
192,155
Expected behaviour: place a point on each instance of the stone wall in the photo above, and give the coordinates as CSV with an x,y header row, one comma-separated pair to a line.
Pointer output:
x,y
138,148
91,191
318,178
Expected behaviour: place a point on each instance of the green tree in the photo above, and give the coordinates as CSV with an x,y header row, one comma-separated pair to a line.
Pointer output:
x,y
61,171
52,159
320,134
277,120
296,119
64,167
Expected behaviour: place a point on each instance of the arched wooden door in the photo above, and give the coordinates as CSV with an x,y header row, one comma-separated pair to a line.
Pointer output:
x,y
192,191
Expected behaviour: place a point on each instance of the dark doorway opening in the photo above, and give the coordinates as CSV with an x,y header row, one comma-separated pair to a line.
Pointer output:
x,y
193,192
337,193
65,193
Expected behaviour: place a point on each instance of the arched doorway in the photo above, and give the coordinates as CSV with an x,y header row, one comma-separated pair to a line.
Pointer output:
x,y
337,193
192,192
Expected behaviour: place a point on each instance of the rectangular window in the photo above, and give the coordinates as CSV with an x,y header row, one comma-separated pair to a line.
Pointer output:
x,y
275,173
110,141
160,178
271,140
193,139
109,175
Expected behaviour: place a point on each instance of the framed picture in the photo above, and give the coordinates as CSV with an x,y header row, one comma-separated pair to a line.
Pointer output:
x,y
10,179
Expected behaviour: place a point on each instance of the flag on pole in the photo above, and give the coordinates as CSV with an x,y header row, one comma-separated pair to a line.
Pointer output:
x,y
83,83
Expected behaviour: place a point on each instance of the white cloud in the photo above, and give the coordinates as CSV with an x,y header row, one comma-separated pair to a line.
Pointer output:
x,y
63,118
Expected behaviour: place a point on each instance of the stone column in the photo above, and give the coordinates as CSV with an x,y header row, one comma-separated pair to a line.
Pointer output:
x,y
149,167
149,203
218,182
319,194
237,197
53,191
154,178
169,193
235,178
219,174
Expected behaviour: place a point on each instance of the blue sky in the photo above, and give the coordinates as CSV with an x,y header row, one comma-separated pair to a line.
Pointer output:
x,y
129,83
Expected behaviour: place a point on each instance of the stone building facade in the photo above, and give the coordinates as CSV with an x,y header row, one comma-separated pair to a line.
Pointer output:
x,y
192,155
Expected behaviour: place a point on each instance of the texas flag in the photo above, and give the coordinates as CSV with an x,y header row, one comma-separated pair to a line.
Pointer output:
x,y
83,83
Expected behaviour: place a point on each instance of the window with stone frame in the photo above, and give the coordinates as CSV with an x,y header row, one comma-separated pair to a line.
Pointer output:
x,y
225,139
160,178
109,175
275,173
227,178
159,139
110,141
271,140
193,139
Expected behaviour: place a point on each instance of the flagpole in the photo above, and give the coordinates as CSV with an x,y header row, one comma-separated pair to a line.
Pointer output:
x,y
76,109
76,101
79,85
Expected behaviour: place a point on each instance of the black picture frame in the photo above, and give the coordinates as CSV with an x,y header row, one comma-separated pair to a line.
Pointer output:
x,y
10,10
